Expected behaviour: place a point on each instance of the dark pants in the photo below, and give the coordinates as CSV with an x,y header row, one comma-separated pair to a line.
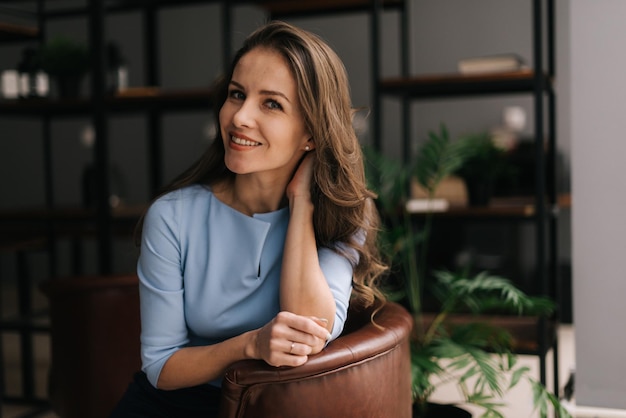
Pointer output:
x,y
142,400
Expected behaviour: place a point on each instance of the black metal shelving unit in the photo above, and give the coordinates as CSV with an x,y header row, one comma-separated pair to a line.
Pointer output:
x,y
27,322
278,9
543,212
153,102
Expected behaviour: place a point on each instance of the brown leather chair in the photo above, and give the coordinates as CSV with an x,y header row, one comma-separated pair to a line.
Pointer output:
x,y
95,351
94,328
363,373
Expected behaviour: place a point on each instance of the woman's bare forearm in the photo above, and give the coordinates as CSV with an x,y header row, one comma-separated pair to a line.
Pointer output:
x,y
303,288
192,366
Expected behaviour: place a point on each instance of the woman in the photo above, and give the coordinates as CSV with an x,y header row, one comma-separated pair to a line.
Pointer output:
x,y
256,250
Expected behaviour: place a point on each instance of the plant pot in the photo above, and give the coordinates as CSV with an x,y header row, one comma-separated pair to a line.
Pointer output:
x,y
479,192
435,410
68,86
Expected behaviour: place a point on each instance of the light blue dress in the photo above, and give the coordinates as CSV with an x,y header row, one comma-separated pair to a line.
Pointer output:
x,y
208,273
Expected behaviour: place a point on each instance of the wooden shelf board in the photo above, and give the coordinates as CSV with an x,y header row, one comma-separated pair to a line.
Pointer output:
x,y
502,207
297,7
521,211
146,97
22,242
13,32
139,99
441,85
525,330
115,6
44,106
275,7
70,213
28,225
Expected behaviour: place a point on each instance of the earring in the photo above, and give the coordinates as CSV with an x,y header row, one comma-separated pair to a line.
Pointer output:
x,y
307,148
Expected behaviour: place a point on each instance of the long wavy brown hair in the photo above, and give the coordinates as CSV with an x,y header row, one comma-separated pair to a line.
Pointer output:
x,y
344,208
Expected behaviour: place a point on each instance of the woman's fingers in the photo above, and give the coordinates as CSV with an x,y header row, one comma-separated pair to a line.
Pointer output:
x,y
301,181
320,321
289,339
303,328
299,349
288,353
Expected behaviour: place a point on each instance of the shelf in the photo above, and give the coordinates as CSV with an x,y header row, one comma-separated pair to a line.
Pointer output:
x,y
11,32
140,99
275,7
446,85
491,211
22,242
525,330
38,322
154,98
120,6
521,207
26,225
41,107
308,8
68,214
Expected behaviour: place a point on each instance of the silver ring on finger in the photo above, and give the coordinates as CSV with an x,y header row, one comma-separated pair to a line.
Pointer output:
x,y
292,345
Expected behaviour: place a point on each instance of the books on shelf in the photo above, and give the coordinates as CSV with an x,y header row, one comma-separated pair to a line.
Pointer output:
x,y
422,205
489,64
452,189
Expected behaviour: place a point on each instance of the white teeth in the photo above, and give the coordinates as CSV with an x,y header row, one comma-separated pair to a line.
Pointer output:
x,y
240,141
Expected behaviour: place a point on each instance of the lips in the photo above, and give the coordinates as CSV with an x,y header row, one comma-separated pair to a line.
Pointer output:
x,y
244,142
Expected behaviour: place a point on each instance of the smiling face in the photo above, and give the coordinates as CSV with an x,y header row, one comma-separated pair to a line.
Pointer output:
x,y
261,122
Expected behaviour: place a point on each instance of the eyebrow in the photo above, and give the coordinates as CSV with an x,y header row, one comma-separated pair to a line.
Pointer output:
x,y
264,92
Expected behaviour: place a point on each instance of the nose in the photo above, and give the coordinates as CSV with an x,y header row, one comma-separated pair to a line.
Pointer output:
x,y
244,115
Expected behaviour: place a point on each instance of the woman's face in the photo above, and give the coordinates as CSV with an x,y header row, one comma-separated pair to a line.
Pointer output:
x,y
261,120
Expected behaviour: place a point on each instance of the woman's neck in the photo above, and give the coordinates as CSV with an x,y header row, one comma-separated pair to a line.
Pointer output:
x,y
248,195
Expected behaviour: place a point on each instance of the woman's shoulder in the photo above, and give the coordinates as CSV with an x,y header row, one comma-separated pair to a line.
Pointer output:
x,y
187,193
179,199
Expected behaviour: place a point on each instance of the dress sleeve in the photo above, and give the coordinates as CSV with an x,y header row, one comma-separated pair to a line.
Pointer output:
x,y
163,326
338,271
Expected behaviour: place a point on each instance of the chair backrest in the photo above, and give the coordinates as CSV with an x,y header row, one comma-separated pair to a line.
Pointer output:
x,y
363,373
95,351
95,343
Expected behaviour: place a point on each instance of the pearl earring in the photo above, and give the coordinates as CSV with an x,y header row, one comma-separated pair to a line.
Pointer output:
x,y
307,148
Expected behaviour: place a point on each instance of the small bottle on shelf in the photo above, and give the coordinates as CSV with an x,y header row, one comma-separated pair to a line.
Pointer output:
x,y
33,81
117,69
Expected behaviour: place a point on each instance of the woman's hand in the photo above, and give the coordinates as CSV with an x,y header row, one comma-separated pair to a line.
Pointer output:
x,y
300,184
289,339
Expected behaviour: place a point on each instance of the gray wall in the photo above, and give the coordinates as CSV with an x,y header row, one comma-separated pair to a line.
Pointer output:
x,y
598,103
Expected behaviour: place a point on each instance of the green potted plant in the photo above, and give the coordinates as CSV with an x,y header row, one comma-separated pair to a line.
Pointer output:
x,y
476,355
66,61
483,165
